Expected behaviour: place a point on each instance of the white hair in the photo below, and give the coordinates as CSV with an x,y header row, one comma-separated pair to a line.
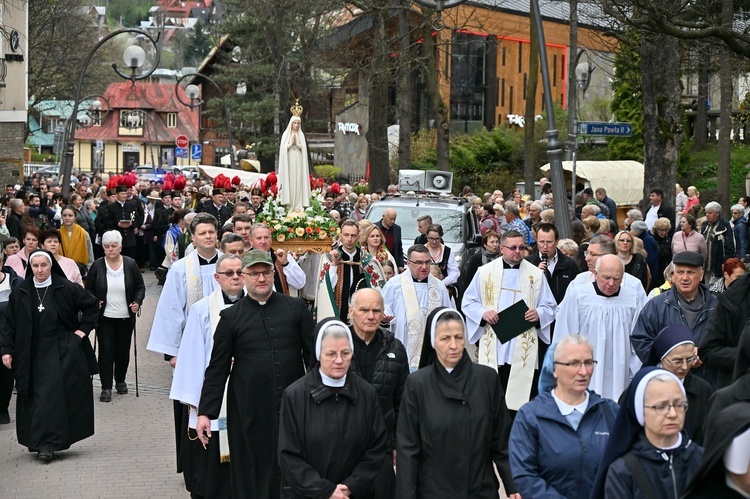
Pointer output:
x,y
713,207
112,236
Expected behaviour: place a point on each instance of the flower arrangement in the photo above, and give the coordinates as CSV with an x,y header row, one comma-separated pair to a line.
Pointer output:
x,y
312,224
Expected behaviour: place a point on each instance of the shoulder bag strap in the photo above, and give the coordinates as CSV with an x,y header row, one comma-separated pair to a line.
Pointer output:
x,y
640,476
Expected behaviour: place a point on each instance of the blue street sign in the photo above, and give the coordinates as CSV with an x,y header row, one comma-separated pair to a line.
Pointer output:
x,y
181,152
196,151
605,129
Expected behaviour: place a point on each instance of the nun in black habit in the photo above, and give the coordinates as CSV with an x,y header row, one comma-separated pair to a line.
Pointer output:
x,y
453,422
45,341
724,471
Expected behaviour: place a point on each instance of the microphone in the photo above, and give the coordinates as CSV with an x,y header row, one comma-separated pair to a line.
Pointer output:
x,y
544,257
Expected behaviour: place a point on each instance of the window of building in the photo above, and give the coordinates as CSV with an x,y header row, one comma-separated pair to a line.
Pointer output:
x,y
52,124
220,152
468,54
171,120
131,119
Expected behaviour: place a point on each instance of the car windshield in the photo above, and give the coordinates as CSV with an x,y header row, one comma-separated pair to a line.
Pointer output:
x,y
406,218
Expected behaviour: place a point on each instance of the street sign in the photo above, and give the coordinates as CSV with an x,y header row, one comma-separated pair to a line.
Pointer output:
x,y
182,142
181,152
196,151
605,129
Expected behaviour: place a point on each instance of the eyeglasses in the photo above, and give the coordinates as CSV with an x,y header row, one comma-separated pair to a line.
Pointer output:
x,y
678,362
230,273
663,409
433,239
345,355
588,364
420,264
592,255
513,249
255,275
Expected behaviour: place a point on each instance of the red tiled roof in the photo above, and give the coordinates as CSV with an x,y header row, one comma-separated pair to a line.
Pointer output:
x,y
153,98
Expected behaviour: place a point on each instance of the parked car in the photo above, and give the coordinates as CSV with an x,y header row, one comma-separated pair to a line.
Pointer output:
x,y
191,172
460,224
49,171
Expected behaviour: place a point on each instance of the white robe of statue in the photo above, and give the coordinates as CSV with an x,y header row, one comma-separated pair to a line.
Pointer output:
x,y
294,172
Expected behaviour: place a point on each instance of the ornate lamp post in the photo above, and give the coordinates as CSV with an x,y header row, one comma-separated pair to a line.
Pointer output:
x,y
134,58
193,93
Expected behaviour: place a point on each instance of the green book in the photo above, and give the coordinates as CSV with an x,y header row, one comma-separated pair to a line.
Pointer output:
x,y
511,323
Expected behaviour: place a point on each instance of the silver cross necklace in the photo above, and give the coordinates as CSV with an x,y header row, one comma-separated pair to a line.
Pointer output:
x,y
41,298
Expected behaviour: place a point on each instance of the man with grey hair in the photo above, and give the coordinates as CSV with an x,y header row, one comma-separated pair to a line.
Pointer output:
x,y
719,242
739,225
606,312
591,210
189,280
631,216
15,224
392,236
206,474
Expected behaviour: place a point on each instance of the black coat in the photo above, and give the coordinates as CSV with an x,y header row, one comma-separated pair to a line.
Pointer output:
x,y
664,474
718,348
389,378
270,345
398,245
126,212
451,428
160,225
698,394
100,222
222,214
723,247
709,481
737,392
135,290
638,268
327,438
15,226
566,270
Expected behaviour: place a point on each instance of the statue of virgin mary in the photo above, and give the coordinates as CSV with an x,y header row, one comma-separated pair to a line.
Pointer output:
x,y
294,171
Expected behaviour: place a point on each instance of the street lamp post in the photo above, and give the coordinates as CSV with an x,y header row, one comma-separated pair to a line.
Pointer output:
x,y
583,72
194,94
134,58
554,146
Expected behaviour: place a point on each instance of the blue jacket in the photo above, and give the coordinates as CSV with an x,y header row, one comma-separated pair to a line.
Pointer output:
x,y
664,310
548,458
669,472
652,251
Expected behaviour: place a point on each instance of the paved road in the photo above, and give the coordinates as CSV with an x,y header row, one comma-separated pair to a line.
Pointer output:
x,y
131,454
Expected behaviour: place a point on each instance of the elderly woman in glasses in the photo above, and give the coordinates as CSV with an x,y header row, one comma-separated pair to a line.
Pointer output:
x,y
118,284
453,423
332,436
673,349
648,453
558,439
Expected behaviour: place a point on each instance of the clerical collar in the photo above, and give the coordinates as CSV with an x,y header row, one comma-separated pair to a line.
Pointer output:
x,y
44,283
418,280
334,383
506,265
230,300
211,261
601,293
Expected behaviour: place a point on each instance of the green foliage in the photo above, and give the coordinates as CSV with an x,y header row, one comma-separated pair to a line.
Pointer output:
x,y
423,153
627,101
360,189
699,168
328,172
130,12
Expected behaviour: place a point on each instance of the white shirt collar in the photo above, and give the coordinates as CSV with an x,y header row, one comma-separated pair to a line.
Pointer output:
x,y
566,409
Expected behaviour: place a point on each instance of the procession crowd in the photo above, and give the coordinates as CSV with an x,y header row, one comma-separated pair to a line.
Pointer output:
x,y
614,364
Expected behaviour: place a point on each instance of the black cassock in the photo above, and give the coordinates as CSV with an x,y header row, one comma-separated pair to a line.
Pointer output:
x,y
52,366
271,344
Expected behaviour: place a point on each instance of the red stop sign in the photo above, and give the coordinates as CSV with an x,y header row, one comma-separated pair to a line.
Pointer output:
x,y
182,141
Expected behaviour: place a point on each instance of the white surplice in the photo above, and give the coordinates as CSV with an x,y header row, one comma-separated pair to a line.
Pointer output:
x,y
473,309
607,321
172,309
395,305
194,355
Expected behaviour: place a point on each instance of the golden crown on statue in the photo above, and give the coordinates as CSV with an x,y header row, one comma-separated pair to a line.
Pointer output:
x,y
296,109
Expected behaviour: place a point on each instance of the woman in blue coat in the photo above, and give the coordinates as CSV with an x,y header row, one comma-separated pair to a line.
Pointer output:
x,y
558,439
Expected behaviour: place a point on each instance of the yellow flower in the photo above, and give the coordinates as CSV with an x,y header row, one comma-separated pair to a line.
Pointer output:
x,y
281,238
299,231
322,235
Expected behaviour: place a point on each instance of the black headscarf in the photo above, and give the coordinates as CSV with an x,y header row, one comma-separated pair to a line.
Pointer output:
x,y
720,432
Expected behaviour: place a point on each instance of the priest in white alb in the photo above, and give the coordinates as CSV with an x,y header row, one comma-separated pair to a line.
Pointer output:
x,y
606,312
206,469
495,287
410,297
188,280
